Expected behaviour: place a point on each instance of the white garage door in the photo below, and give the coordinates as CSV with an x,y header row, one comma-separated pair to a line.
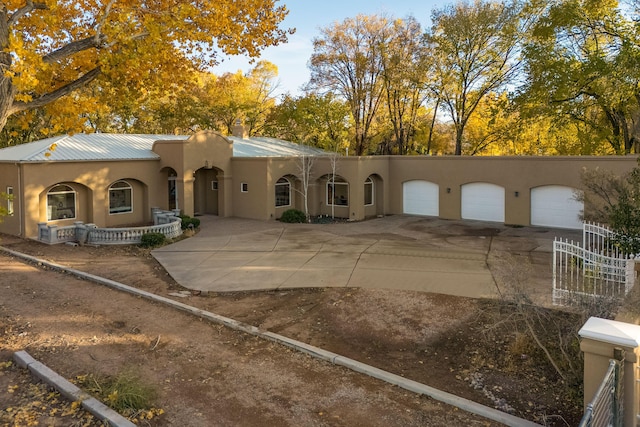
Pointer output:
x,y
420,198
483,201
555,206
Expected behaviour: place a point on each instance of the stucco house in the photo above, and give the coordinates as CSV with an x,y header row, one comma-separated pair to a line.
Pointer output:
x,y
115,180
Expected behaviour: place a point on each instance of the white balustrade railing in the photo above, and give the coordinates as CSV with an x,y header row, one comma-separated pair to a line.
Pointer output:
x,y
132,235
165,222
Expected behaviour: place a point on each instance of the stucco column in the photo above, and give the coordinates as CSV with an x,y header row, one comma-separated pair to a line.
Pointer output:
x,y
356,201
517,206
185,194
225,195
599,339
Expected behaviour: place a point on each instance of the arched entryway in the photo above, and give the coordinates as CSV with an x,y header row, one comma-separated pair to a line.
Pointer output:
x,y
206,189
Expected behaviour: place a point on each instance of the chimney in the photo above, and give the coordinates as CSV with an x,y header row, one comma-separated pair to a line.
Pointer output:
x,y
238,130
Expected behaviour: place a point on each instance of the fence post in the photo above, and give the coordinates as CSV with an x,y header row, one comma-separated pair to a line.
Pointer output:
x,y
617,403
602,340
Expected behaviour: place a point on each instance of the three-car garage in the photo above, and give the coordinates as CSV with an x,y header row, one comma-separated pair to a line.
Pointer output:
x,y
550,205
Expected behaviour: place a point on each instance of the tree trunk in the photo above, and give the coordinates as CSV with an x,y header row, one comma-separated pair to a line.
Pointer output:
x,y
7,90
433,123
459,132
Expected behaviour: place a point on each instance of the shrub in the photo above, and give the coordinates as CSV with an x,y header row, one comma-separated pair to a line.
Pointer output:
x,y
152,240
187,221
123,393
293,215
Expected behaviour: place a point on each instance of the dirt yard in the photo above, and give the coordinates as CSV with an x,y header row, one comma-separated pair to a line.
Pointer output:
x,y
207,375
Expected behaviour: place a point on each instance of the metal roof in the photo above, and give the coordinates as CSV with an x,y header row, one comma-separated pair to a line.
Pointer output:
x,y
94,146
106,146
270,147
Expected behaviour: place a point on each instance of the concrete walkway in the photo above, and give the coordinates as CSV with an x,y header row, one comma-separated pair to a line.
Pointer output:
x,y
395,252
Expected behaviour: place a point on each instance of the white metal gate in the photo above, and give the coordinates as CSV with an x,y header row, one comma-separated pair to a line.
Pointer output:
x,y
595,269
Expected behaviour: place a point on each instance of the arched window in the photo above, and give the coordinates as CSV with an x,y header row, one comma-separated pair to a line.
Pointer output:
x,y
368,192
337,191
120,198
61,203
283,192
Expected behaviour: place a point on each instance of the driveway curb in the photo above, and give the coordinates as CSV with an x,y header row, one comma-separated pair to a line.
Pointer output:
x,y
316,352
70,391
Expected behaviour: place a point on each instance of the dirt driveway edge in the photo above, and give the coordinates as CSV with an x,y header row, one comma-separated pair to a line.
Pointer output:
x,y
313,351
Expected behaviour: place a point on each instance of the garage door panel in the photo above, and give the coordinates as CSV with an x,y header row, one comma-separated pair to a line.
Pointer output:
x,y
421,198
482,201
555,206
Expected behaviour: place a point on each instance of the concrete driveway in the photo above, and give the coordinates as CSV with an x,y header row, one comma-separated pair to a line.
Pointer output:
x,y
394,252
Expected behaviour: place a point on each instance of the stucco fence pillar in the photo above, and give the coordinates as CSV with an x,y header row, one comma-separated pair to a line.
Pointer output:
x,y
600,338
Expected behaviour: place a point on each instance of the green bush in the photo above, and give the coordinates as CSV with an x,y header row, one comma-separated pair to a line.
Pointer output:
x,y
152,240
187,220
293,215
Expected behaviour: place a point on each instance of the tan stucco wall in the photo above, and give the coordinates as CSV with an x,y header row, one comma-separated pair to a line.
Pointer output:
x,y
597,355
91,180
202,151
10,177
514,174
207,156
519,174
254,203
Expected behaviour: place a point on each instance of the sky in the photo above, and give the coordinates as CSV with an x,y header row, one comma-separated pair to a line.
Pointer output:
x,y
308,16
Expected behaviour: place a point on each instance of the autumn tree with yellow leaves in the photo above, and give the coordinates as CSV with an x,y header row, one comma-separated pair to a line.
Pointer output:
x,y
50,49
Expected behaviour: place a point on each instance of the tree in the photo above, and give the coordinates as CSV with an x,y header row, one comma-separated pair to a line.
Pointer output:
x,y
346,60
583,65
474,49
221,100
50,49
614,200
261,85
316,120
405,71
305,172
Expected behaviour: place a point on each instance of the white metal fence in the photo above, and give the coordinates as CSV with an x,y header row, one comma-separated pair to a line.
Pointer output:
x,y
594,269
606,409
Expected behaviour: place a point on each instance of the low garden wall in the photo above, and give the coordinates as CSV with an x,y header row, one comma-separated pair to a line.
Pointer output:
x,y
167,223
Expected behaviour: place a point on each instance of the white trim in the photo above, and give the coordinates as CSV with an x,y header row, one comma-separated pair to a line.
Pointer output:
x,y
278,183
112,211
9,200
75,202
370,182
